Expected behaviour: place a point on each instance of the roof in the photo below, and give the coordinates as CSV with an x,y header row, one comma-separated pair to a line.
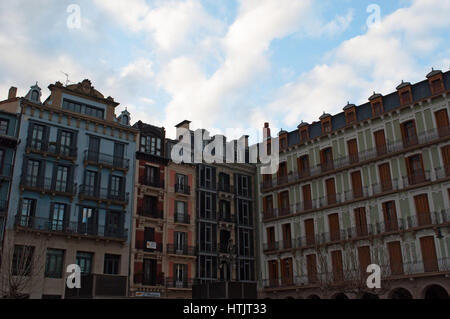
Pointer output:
x,y
391,101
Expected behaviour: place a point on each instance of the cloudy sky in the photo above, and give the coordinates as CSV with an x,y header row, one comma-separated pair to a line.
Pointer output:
x,y
226,65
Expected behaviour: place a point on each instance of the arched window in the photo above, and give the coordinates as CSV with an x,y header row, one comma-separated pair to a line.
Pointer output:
x,y
35,95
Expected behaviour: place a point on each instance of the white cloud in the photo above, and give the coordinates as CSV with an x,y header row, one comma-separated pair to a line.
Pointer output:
x,y
377,60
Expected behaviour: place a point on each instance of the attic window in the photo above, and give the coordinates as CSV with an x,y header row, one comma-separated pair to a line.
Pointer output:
x,y
406,97
376,108
35,96
436,86
326,125
351,116
283,142
303,135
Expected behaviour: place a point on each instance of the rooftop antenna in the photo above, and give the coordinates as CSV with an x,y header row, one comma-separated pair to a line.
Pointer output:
x,y
67,77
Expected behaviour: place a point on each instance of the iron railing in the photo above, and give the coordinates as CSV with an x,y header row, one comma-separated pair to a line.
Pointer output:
x,y
100,193
48,184
106,159
184,250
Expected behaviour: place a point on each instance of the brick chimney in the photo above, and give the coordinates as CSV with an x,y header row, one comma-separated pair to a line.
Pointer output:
x,y
266,126
12,94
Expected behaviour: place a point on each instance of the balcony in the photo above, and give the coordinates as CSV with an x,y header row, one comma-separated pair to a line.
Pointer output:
x,y
439,219
144,245
178,283
147,181
99,286
389,149
211,248
227,218
182,218
48,185
183,250
182,189
70,228
6,171
88,192
155,281
52,148
107,160
151,212
226,188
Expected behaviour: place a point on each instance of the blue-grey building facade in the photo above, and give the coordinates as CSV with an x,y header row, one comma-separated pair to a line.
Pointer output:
x,y
71,196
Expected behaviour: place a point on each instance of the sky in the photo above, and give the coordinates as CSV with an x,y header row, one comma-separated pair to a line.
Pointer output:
x,y
226,65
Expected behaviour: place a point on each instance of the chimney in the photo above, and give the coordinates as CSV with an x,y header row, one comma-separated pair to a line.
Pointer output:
x,y
185,124
266,126
12,94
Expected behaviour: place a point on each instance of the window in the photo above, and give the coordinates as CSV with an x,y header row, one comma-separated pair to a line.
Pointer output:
x,y
33,170
352,146
338,269
331,191
395,258
333,223
303,166
436,86
351,117
116,187
111,264
4,127
61,182
271,237
409,134
282,173
181,211
65,142
377,108
287,239
380,142
22,260
244,214
224,182
38,135
326,127
151,145
54,263
446,159
442,122
180,240
57,217
85,260
27,212
90,183
114,224
326,159
357,184
415,169
283,143
150,272
88,221
361,221
390,216
406,97
151,176
283,204
303,135
268,206
35,96
385,177
83,108
180,274
181,185
245,270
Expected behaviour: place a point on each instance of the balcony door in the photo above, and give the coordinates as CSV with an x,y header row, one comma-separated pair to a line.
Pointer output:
x,y
61,179
442,122
390,216
180,241
180,274
282,173
287,237
94,149
422,210
283,203
361,221
414,165
58,217
385,177
353,151
395,258
33,173
287,276
27,212
409,134
119,154
429,256
331,191
303,166
114,224
88,221
311,265
309,232
364,259
338,269
380,142
446,159
307,201
357,184
150,272
91,183
273,272
66,142
116,188
333,222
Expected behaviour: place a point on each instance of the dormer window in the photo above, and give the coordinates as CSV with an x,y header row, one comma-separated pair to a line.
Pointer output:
x,y
283,143
350,113
303,132
351,117
376,107
405,98
436,81
125,120
326,127
325,119
35,96
151,145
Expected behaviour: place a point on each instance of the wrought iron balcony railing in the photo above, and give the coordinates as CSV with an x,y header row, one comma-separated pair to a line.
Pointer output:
x,y
54,148
103,194
182,189
63,227
48,184
106,159
182,218
184,250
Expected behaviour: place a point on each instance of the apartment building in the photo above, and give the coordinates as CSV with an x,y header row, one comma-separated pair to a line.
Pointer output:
x,y
370,185
163,252
9,125
70,199
225,224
